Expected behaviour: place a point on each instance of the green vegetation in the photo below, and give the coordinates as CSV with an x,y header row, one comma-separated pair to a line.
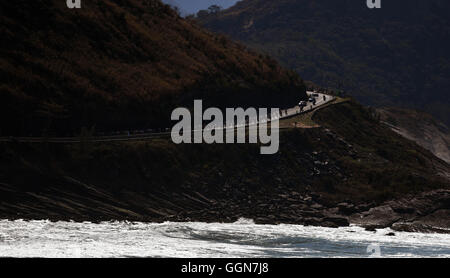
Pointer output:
x,y
395,56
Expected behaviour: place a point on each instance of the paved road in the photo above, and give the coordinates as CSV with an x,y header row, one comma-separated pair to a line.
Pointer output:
x,y
321,100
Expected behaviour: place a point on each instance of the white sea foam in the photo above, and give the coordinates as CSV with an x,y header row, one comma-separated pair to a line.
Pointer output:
x,y
240,239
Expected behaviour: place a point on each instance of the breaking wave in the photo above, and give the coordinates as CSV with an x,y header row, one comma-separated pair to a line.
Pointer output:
x,y
240,239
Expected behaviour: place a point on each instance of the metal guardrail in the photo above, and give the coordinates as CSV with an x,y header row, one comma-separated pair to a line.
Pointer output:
x,y
153,135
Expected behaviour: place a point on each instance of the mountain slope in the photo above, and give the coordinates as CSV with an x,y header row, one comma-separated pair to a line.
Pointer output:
x,y
321,176
117,65
419,127
127,64
394,56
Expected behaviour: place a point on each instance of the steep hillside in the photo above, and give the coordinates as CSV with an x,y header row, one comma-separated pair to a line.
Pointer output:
x,y
125,64
419,127
394,56
117,65
320,177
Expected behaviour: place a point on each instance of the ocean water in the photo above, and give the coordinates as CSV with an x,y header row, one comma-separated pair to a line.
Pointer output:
x,y
200,240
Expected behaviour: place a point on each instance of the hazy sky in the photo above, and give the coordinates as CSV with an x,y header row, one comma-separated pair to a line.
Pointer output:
x,y
193,6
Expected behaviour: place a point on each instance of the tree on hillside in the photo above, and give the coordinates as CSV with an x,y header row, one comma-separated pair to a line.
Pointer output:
x,y
214,9
202,14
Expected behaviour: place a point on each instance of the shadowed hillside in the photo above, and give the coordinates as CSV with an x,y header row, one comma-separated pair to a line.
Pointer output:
x,y
421,128
125,64
116,65
320,177
396,56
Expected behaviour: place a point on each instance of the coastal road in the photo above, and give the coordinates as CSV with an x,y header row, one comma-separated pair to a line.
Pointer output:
x,y
321,100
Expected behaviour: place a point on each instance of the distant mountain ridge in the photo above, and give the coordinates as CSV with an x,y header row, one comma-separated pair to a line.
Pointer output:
x,y
397,55
193,6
